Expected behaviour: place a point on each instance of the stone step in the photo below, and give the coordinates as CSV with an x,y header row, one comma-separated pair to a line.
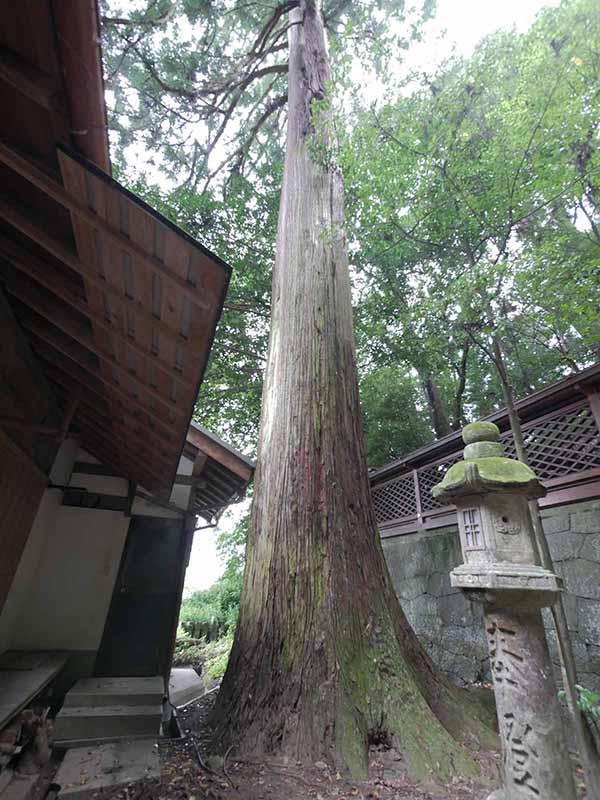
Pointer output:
x,y
116,692
87,770
86,723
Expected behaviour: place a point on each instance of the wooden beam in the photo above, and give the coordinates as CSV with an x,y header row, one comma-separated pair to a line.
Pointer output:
x,y
95,501
593,398
91,468
189,480
68,348
31,82
127,423
43,273
71,407
223,484
58,369
24,167
146,453
59,317
219,453
46,430
131,488
131,458
150,498
29,427
127,426
19,370
23,222
129,463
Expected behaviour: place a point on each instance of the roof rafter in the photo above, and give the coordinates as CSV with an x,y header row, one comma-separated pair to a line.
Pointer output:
x,y
22,222
57,317
31,82
28,170
46,275
66,349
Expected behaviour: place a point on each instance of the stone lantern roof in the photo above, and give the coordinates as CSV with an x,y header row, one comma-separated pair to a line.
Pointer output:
x,y
485,468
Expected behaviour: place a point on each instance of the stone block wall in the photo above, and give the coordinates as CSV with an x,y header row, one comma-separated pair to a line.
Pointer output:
x,y
451,628
574,539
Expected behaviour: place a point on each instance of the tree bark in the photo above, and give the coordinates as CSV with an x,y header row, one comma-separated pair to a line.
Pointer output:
x,y
323,653
439,418
461,370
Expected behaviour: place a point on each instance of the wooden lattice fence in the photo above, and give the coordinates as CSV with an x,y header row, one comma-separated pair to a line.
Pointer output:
x,y
563,447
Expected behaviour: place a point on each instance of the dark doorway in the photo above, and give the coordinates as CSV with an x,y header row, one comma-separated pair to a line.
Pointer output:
x,y
139,628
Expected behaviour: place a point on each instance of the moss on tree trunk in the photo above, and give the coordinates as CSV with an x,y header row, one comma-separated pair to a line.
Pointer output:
x,y
323,652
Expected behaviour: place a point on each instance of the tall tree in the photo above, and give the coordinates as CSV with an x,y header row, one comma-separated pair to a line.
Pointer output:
x,y
322,653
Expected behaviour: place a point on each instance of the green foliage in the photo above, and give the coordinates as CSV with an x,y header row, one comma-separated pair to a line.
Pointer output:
x,y
188,651
212,613
208,618
473,215
202,86
588,702
211,656
216,655
393,421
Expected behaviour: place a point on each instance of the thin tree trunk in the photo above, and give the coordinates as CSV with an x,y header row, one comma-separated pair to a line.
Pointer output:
x,y
461,370
322,653
587,750
439,418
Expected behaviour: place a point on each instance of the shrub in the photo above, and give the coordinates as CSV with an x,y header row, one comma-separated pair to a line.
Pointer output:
x,y
188,652
216,656
589,703
212,613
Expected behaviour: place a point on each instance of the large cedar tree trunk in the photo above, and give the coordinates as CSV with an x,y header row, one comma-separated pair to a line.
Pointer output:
x,y
322,651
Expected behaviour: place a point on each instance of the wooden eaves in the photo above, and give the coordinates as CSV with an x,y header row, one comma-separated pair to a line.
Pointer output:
x,y
225,472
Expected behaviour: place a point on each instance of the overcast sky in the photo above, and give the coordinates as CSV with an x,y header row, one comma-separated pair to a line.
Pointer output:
x,y
466,22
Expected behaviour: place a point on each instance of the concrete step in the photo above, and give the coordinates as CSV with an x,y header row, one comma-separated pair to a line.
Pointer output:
x,y
91,692
86,723
87,770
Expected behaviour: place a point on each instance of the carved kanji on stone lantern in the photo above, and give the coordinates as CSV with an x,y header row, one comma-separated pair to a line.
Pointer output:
x,y
501,569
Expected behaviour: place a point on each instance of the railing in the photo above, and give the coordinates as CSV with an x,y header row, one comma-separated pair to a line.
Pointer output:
x,y
563,448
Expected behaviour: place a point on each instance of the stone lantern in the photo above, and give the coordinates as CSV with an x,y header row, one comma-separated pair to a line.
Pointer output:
x,y
502,570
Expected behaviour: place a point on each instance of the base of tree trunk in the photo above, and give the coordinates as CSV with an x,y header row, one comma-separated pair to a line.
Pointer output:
x,y
378,694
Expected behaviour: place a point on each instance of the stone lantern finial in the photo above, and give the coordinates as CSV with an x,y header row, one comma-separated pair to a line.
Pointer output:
x,y
485,468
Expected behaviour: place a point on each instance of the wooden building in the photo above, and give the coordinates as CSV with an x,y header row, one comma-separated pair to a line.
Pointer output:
x,y
107,317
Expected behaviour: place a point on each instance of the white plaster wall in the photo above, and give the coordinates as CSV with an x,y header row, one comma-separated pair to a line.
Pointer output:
x,y
42,528
180,495
145,508
68,600
102,484
26,571
63,586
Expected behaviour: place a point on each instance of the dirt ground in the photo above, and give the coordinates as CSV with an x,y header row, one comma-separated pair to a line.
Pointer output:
x,y
189,773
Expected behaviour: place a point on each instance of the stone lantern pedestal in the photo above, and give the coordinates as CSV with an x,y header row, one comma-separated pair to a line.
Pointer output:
x,y
501,570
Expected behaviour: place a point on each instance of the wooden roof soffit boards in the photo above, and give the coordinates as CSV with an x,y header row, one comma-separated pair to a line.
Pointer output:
x,y
134,327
